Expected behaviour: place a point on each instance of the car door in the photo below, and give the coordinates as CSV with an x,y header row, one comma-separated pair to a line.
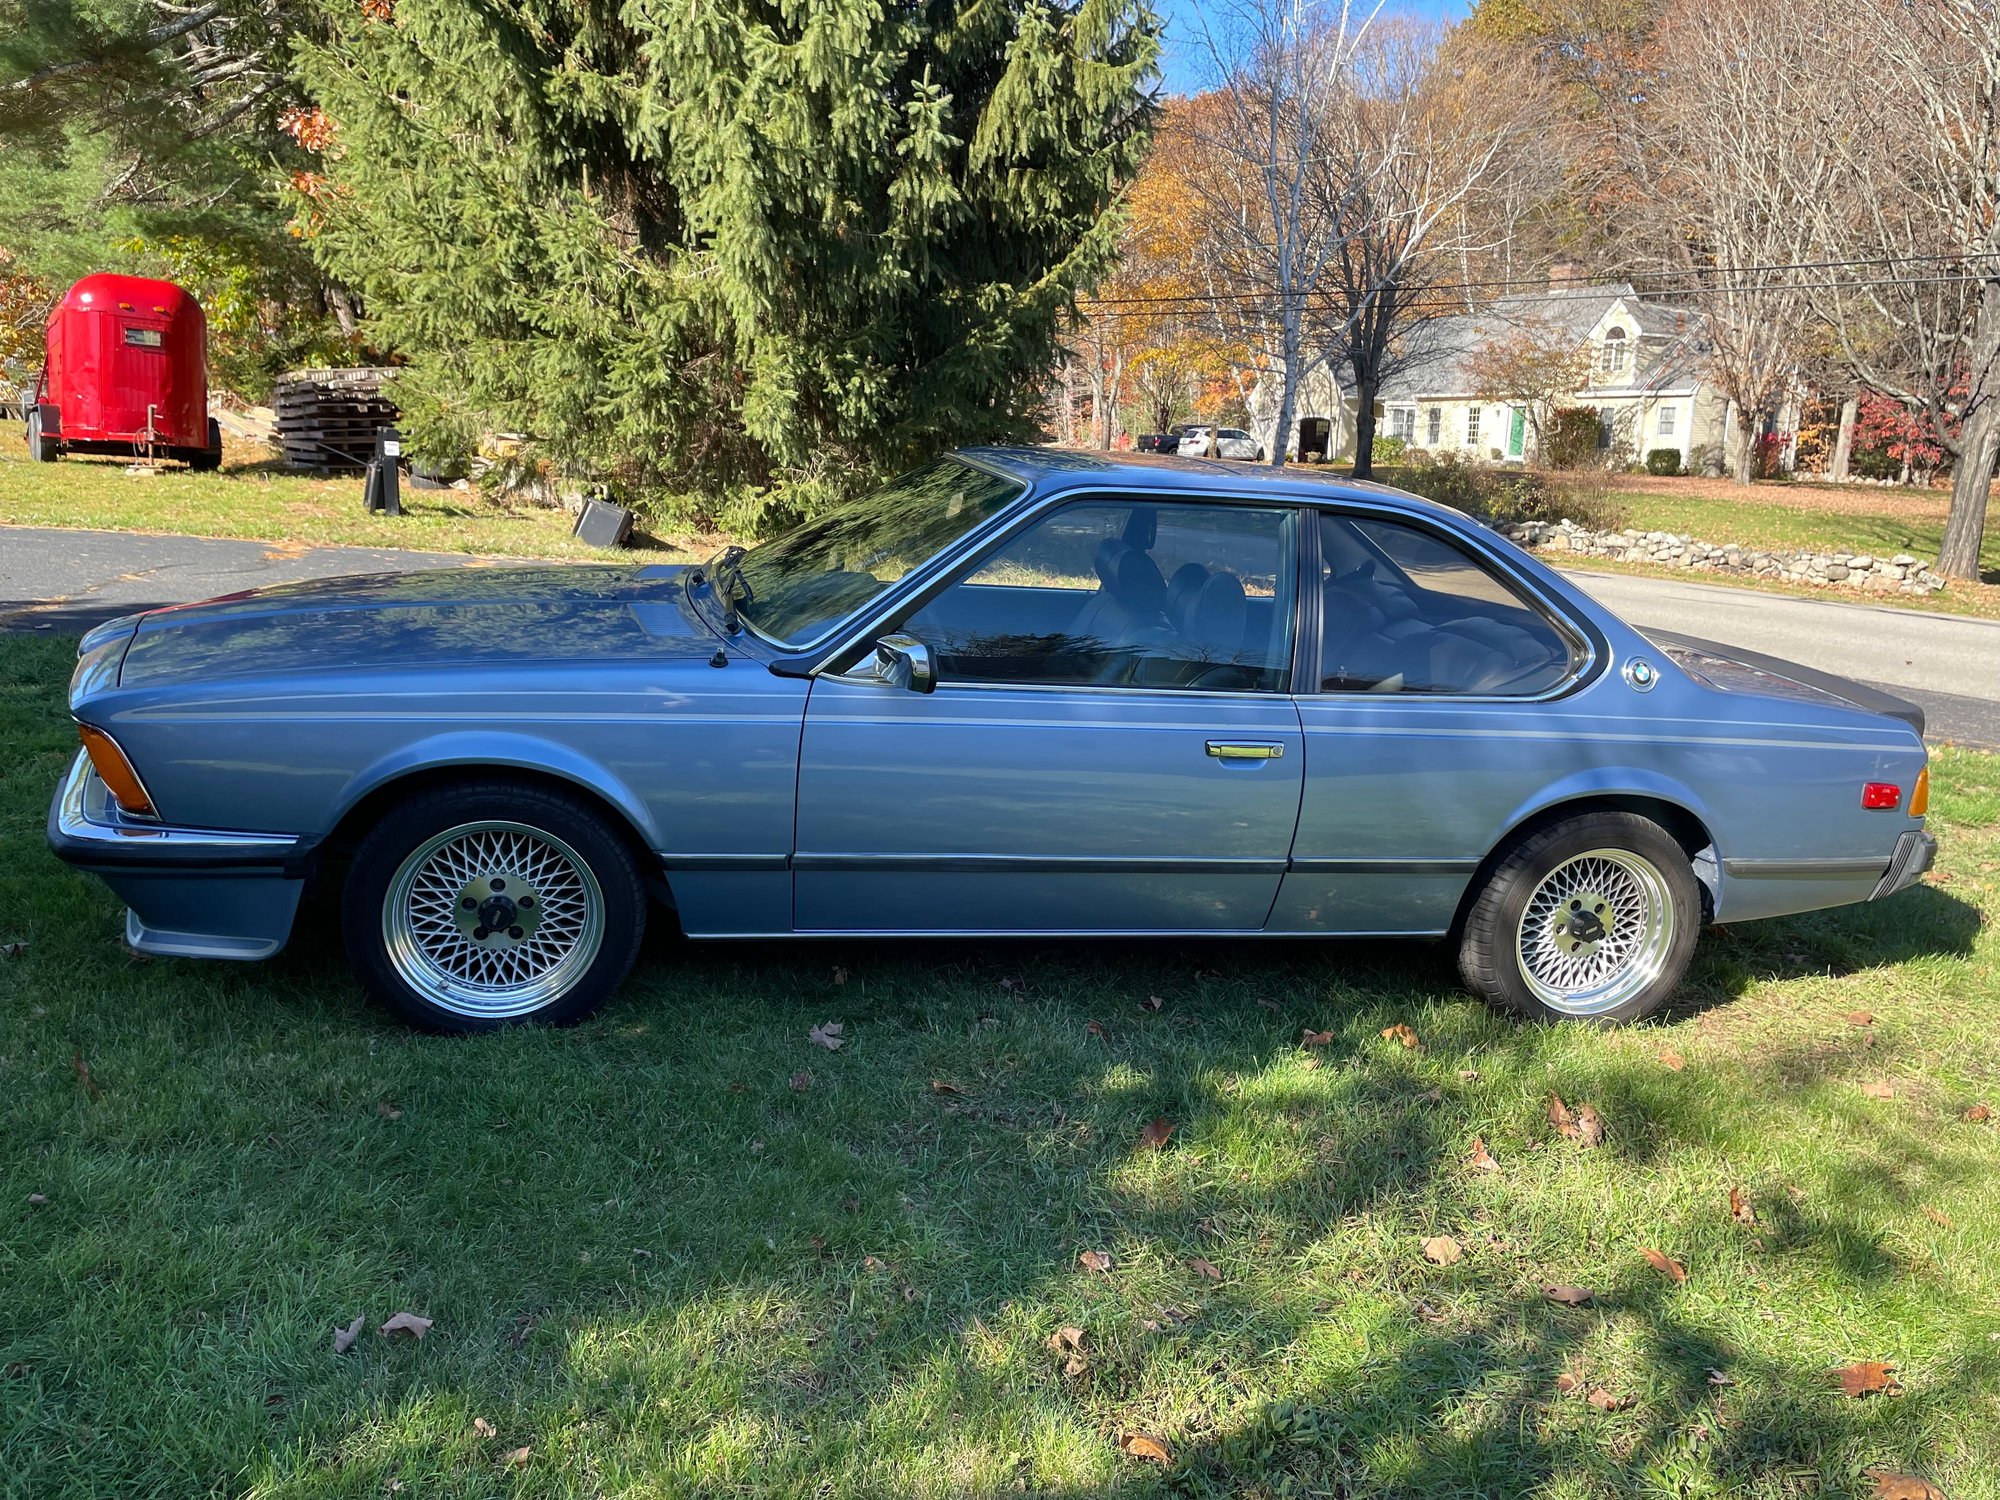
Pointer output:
x,y
1432,718
1110,744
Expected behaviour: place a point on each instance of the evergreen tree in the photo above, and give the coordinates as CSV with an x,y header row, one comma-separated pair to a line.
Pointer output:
x,y
697,249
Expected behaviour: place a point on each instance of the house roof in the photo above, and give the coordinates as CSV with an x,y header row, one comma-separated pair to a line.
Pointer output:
x,y
1435,364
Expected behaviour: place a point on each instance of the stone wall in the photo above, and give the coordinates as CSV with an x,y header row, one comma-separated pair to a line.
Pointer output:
x,y
1860,572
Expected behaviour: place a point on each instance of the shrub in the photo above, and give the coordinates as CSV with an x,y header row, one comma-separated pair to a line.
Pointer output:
x,y
1664,461
1573,437
1388,450
1447,479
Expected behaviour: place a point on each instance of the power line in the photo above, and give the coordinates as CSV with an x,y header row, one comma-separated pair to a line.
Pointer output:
x,y
1548,293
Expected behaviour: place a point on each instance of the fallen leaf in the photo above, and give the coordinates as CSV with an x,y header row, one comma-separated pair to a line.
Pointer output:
x,y
13,950
82,1069
839,975
874,1265
1665,1265
1012,984
942,1086
1401,1032
1140,1445
1979,1114
387,1110
1868,1377
1270,1005
1468,1075
19,1369
1568,1296
484,1428
1205,1268
1151,1003
343,1338
1481,1160
1582,1126
1718,1378
1892,1486
1673,1060
1739,1207
518,1458
1567,1383
1859,1018
1878,1090
1603,1400
1066,1340
1156,1132
408,1323
1443,1250
1311,1038
827,1035
1098,1030
36,1200
1943,1221
802,1080
1094,1260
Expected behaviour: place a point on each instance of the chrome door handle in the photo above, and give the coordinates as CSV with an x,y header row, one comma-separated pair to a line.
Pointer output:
x,y
1226,750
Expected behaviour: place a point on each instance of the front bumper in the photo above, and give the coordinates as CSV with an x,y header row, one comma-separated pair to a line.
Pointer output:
x,y
1915,853
191,892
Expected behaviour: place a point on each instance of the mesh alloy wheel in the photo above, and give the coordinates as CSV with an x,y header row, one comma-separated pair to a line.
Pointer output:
x,y
1597,930
492,919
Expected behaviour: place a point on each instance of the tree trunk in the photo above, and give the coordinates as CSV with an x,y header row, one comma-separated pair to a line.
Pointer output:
x,y
1843,446
1364,427
1971,481
1288,399
1746,444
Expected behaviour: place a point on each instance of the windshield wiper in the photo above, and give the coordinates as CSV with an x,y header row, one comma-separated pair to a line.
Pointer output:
x,y
728,579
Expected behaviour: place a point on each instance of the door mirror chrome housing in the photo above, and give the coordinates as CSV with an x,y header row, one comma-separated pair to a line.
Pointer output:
x,y
901,661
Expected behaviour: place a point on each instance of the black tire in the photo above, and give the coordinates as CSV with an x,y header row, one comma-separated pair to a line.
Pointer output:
x,y
42,449
1490,958
573,828
208,460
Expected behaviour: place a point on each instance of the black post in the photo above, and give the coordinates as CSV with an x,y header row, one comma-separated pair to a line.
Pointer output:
x,y
382,490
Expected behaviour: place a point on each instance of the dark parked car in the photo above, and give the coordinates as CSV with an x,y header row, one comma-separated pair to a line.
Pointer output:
x,y
1017,692
1160,442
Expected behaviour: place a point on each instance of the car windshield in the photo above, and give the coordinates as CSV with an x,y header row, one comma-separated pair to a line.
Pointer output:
x,y
795,588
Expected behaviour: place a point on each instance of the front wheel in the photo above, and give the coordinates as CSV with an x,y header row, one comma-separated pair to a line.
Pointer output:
x,y
473,907
1593,919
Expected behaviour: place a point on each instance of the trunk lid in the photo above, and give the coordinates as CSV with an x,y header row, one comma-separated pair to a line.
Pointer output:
x,y
1730,669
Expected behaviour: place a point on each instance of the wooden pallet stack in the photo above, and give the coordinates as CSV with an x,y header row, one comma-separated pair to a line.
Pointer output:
x,y
327,419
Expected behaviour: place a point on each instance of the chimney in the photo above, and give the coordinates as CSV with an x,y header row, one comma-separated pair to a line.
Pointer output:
x,y
1565,274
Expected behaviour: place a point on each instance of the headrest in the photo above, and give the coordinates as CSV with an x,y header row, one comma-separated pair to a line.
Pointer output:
x,y
1220,613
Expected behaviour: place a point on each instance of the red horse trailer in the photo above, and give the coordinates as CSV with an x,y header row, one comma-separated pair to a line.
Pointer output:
x,y
127,373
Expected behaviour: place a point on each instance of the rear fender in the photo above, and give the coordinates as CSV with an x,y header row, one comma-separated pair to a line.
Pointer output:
x,y
1630,781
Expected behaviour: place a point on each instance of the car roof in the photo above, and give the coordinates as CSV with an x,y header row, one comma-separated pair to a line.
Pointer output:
x,y
1049,470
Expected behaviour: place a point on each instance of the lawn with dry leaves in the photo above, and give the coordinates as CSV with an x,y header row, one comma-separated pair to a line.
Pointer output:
x,y
1244,1218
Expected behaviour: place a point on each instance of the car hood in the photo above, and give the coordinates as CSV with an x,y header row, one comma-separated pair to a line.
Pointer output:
x,y
392,620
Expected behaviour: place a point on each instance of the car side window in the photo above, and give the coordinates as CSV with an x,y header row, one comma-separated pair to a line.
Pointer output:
x,y
1408,611
1126,595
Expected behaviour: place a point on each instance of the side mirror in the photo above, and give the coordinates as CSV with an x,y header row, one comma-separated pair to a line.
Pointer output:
x,y
905,662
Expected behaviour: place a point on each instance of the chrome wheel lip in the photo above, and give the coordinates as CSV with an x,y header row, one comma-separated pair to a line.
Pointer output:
x,y
432,966
1593,976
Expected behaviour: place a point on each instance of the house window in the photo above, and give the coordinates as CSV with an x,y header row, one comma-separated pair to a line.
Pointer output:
x,y
1434,427
1667,417
1472,427
1403,422
1616,356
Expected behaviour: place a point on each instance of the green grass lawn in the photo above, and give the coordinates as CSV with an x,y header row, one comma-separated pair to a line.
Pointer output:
x,y
250,497
1792,518
682,1250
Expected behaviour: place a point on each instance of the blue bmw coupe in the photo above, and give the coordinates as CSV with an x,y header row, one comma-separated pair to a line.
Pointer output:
x,y
1016,692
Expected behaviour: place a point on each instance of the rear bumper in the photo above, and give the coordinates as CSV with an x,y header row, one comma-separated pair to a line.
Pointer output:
x,y
191,892
1915,853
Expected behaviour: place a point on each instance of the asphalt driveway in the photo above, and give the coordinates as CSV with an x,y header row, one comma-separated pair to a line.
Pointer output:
x,y
66,581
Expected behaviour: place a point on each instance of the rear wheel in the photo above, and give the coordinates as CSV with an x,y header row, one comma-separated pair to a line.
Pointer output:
x,y
1593,918
207,460
41,447
474,907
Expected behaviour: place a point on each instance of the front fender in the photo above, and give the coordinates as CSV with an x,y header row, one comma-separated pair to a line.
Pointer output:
x,y
507,751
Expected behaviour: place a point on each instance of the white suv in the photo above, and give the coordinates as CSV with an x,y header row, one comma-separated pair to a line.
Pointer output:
x,y
1230,442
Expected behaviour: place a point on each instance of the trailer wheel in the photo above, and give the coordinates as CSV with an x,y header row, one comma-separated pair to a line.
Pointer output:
x,y
207,460
41,448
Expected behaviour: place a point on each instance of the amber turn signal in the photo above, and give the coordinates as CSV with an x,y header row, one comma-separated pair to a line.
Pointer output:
x,y
116,772
1920,799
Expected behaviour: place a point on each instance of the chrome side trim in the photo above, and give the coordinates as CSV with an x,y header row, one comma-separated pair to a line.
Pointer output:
x,y
1802,869
74,820
989,864
1002,934
692,863
1310,865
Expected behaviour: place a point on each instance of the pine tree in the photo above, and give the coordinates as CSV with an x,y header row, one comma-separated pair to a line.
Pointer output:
x,y
701,248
